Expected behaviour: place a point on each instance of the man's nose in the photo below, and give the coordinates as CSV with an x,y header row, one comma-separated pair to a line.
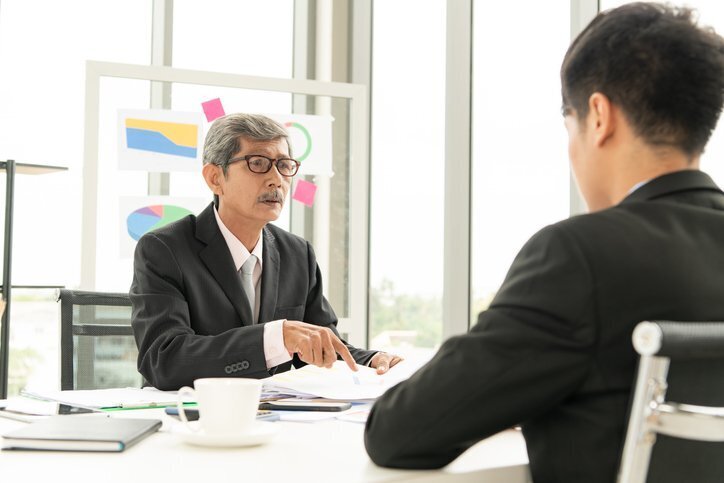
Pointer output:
x,y
275,177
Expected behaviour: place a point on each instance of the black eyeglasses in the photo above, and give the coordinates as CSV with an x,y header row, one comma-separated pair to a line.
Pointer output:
x,y
261,164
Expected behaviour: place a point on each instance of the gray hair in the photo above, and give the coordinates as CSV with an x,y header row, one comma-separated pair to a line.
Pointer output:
x,y
224,137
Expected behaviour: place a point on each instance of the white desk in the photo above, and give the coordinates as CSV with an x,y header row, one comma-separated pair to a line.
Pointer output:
x,y
328,451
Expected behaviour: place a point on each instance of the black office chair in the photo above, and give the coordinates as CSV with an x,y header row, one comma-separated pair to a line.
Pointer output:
x,y
97,348
679,441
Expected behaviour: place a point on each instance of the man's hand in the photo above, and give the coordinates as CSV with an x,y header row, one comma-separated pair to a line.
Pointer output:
x,y
315,345
382,361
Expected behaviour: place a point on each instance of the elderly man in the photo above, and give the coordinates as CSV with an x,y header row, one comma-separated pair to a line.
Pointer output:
x,y
224,294
642,92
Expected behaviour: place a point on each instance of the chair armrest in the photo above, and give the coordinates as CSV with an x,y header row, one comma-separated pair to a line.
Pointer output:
x,y
702,423
680,340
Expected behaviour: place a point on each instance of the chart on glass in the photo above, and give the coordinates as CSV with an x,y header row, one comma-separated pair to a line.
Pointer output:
x,y
148,218
140,214
159,140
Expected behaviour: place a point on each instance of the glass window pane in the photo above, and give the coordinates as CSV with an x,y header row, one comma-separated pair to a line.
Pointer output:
x,y
42,93
239,36
407,179
520,162
43,97
711,13
114,272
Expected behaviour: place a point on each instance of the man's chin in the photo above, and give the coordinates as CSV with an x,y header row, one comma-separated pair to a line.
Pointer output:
x,y
272,211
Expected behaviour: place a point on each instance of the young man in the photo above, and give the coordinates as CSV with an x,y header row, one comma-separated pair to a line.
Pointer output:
x,y
223,294
642,91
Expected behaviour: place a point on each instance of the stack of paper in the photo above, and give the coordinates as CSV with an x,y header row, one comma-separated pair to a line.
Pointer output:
x,y
339,382
125,398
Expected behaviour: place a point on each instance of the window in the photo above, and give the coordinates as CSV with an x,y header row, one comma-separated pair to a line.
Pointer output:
x,y
407,179
42,94
237,36
520,162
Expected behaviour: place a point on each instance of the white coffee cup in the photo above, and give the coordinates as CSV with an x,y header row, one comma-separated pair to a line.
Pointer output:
x,y
227,406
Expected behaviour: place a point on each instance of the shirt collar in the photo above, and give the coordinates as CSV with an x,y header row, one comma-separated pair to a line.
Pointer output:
x,y
238,251
637,186
670,183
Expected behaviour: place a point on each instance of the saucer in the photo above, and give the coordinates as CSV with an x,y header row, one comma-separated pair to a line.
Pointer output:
x,y
260,433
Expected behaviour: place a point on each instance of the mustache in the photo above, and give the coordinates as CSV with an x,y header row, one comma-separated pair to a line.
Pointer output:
x,y
274,195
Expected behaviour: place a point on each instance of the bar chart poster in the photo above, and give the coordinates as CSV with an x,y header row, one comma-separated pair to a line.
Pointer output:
x,y
142,214
159,140
311,141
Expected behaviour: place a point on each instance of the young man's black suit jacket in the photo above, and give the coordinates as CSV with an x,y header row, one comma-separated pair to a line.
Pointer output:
x,y
191,318
553,352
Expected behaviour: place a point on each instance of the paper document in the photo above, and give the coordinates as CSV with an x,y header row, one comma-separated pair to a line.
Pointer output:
x,y
339,382
122,398
357,414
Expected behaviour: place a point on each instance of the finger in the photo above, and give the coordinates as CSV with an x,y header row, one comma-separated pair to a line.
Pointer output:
x,y
317,349
304,351
395,360
330,355
342,350
383,364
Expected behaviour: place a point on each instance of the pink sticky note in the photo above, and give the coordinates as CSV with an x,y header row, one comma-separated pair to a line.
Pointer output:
x,y
213,109
304,192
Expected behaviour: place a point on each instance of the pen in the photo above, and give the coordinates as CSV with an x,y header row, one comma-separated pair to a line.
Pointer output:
x,y
146,405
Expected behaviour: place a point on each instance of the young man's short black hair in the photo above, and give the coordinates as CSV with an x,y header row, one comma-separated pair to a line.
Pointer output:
x,y
657,65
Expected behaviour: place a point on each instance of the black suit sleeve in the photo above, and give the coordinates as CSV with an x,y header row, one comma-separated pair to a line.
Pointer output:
x,y
171,353
318,310
528,351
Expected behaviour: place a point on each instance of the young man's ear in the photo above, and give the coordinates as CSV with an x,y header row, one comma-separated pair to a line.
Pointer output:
x,y
601,119
212,175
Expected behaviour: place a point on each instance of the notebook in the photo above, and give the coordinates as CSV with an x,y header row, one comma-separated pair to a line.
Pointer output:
x,y
71,433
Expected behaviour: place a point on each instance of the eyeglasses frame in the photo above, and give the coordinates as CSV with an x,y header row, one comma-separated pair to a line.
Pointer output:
x,y
272,162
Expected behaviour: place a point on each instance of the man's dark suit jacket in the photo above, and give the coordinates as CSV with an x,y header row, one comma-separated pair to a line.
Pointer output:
x,y
191,318
553,352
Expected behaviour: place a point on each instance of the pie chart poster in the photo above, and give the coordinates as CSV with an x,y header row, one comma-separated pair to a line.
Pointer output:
x,y
141,214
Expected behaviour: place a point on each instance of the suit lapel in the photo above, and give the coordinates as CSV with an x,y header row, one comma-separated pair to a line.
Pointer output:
x,y
269,278
215,255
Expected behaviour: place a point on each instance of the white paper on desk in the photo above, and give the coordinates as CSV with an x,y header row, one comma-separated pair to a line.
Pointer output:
x,y
335,383
355,415
306,416
31,407
129,397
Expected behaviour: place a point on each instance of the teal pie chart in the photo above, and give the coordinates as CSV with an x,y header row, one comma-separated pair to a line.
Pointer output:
x,y
149,218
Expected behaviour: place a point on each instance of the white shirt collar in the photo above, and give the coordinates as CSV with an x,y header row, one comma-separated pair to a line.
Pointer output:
x,y
238,251
637,186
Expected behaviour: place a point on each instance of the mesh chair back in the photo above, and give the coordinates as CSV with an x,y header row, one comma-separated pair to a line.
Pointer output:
x,y
97,348
687,361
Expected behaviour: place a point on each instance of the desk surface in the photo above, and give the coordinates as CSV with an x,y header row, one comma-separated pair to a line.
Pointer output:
x,y
323,452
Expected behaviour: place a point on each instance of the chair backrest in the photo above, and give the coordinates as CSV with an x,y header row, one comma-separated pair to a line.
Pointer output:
x,y
676,423
97,348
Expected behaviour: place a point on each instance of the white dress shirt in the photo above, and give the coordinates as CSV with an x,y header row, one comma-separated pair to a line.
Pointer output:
x,y
275,352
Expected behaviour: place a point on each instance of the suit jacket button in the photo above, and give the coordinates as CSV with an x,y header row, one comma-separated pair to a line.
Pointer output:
x,y
244,365
228,369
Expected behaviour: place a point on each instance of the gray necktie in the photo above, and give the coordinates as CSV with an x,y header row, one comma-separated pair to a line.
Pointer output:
x,y
247,282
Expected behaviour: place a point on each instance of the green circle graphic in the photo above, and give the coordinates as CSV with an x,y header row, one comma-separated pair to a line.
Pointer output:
x,y
307,136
